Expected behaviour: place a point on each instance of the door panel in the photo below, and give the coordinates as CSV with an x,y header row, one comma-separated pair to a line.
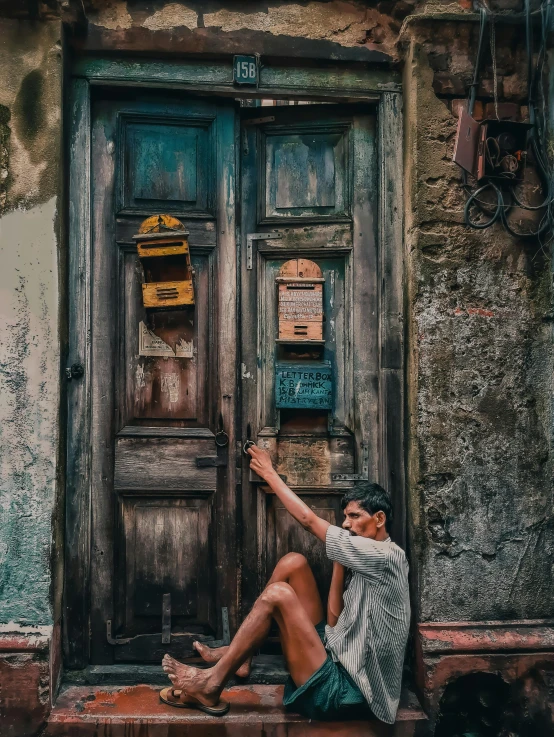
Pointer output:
x,y
164,493
308,181
166,388
284,535
306,171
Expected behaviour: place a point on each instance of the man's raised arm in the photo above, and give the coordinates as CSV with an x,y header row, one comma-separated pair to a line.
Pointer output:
x,y
261,464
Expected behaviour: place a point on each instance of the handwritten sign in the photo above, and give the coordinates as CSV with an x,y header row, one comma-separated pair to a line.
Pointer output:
x,y
306,385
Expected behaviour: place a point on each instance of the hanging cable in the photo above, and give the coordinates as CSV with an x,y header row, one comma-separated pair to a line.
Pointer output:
x,y
503,182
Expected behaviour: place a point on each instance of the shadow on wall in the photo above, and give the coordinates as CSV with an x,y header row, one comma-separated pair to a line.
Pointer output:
x,y
484,705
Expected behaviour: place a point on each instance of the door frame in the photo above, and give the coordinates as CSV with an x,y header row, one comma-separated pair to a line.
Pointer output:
x,y
337,84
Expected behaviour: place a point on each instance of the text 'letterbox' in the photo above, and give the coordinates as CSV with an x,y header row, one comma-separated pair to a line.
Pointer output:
x,y
305,385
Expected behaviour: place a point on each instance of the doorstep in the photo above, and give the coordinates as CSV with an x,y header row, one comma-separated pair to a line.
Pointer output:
x,y
256,711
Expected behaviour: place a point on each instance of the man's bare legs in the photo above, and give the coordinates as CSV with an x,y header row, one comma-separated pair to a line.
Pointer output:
x,y
293,569
302,647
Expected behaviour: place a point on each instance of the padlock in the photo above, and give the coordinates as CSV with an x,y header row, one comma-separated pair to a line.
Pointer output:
x,y
163,250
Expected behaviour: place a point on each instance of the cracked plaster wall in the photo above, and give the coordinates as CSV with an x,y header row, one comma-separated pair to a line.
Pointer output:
x,y
348,24
30,151
480,389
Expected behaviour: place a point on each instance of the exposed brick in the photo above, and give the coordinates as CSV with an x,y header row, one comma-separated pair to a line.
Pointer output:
x,y
24,693
458,105
506,110
448,84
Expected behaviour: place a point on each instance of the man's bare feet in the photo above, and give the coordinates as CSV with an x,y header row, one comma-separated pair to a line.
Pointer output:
x,y
195,682
214,654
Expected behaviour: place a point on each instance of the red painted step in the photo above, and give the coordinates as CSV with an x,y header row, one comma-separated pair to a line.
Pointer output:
x,y
256,711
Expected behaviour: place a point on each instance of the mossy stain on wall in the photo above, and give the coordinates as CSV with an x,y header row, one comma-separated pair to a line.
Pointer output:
x,y
29,106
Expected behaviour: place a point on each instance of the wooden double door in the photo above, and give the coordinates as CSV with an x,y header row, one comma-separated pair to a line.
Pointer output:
x,y
182,535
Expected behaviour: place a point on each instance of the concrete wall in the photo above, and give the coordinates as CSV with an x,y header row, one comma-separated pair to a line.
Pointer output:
x,y
30,107
30,177
480,381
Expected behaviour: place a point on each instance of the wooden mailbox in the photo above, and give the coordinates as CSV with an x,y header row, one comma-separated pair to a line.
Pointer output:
x,y
300,287
163,250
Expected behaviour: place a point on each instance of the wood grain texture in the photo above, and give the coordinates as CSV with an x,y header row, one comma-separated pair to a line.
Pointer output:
x,y
77,493
225,365
167,164
105,326
392,455
336,82
303,171
163,464
305,451
284,535
167,549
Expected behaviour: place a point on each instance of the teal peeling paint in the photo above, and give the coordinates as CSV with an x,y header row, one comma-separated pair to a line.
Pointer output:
x,y
29,409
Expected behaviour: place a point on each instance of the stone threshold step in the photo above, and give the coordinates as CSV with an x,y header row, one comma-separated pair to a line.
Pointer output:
x,y
256,711
268,669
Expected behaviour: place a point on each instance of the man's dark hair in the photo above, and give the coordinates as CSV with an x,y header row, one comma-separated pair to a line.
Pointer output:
x,y
371,497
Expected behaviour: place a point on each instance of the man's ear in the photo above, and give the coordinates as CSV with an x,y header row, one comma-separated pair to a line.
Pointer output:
x,y
380,518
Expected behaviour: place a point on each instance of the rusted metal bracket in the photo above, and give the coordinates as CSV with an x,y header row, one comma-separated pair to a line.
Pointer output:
x,y
251,237
166,619
226,632
259,121
115,641
363,476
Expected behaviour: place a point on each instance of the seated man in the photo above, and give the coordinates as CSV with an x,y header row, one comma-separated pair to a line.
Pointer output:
x,y
353,666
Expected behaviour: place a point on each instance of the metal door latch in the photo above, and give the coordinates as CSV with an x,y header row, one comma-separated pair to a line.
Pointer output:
x,y
251,237
115,640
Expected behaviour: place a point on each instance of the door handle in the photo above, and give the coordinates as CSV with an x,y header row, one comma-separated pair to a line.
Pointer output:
x,y
248,444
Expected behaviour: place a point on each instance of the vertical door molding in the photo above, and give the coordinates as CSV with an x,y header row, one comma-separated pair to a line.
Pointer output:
x,y
78,496
391,264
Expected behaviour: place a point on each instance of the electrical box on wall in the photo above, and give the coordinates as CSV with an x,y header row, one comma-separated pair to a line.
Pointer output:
x,y
163,250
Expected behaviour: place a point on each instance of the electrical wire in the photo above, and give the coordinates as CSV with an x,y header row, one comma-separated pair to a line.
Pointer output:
x,y
504,189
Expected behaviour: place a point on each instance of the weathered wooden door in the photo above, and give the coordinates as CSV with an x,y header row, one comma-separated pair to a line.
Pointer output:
x,y
309,194
163,561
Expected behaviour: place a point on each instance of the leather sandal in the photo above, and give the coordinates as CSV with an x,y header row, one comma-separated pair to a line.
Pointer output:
x,y
180,699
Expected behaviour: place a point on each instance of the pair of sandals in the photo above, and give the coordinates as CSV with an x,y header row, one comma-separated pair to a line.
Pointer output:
x,y
180,699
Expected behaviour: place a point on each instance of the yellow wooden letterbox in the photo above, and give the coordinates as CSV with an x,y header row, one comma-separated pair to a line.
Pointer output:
x,y
300,288
163,250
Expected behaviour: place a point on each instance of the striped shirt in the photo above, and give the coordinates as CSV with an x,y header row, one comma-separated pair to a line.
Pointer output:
x,y
370,636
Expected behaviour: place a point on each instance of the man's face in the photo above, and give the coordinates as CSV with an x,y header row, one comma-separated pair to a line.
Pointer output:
x,y
359,522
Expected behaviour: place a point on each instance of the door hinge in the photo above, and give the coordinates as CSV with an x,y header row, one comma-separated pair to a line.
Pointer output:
x,y
250,238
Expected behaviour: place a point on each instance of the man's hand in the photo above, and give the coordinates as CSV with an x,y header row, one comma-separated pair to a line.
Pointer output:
x,y
261,462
